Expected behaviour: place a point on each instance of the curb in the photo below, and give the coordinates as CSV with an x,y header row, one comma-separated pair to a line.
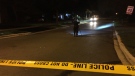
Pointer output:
x,y
123,49
120,54
28,33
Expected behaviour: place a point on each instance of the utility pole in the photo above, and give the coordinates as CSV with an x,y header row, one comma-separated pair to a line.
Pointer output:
x,y
0,17
55,5
57,21
0,12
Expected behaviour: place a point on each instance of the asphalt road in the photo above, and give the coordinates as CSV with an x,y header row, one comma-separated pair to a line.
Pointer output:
x,y
92,46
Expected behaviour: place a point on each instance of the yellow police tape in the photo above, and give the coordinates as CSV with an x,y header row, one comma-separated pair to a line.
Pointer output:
x,y
87,67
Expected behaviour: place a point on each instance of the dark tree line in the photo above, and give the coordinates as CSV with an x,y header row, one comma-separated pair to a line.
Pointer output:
x,y
18,10
27,10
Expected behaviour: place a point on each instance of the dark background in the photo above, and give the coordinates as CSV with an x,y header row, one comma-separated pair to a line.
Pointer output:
x,y
32,10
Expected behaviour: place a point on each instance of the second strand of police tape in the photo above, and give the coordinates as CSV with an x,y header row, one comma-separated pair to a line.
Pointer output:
x,y
87,67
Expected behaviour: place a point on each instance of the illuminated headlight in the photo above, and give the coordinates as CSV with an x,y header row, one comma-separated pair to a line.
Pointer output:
x,y
93,23
91,19
95,18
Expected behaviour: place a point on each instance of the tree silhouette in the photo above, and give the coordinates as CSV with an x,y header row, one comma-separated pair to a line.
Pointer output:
x,y
88,13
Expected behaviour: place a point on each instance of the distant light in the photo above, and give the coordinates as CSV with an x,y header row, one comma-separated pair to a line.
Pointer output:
x,y
116,13
91,19
95,18
42,19
93,23
61,16
67,15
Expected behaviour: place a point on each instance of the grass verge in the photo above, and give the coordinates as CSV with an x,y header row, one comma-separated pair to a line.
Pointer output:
x,y
41,27
127,35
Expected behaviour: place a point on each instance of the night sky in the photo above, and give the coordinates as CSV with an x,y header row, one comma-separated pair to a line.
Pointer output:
x,y
66,5
24,9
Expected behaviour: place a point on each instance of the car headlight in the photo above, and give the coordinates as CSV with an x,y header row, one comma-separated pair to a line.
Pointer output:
x,y
93,23
95,18
91,19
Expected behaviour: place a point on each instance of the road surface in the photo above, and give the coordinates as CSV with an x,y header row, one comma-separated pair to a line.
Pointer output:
x,y
94,45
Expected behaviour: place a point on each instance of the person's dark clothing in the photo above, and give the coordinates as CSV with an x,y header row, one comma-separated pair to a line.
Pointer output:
x,y
76,27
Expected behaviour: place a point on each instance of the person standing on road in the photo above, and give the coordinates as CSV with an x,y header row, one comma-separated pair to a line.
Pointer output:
x,y
76,26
